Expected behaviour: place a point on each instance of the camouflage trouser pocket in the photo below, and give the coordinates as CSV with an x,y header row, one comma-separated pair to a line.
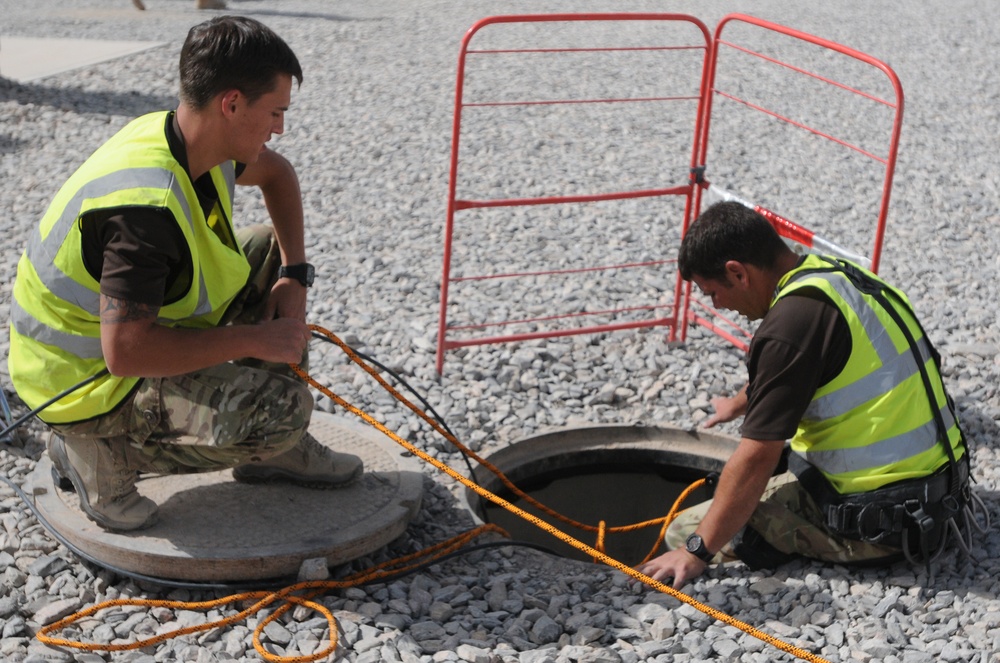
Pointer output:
x,y
226,414
146,411
128,420
211,419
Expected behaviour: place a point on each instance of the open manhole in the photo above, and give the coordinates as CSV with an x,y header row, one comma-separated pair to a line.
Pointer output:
x,y
619,474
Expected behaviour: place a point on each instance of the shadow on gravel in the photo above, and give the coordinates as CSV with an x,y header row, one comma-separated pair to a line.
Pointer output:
x,y
9,145
127,104
981,429
308,15
131,103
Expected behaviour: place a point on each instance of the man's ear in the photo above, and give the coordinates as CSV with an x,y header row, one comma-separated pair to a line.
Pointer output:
x,y
737,274
230,102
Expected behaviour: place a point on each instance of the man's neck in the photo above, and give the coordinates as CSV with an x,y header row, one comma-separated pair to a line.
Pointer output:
x,y
200,139
785,263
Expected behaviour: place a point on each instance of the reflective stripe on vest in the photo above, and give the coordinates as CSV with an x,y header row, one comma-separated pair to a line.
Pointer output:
x,y
873,423
85,347
896,365
41,252
884,452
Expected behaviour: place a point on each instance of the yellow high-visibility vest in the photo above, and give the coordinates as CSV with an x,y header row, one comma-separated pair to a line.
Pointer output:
x,y
55,335
873,424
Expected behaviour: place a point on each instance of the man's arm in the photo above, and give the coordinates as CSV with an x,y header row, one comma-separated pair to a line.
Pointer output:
x,y
279,184
740,488
136,345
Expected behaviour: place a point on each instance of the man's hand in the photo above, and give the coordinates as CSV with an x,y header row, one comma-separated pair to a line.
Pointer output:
x,y
282,340
727,408
287,300
676,567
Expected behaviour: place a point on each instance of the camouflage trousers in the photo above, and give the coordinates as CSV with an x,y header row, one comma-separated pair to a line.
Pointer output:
x,y
789,520
221,416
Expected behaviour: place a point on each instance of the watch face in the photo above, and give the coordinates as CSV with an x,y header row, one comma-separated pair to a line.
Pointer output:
x,y
694,542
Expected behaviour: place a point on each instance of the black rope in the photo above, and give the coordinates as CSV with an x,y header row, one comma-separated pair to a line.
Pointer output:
x,y
11,426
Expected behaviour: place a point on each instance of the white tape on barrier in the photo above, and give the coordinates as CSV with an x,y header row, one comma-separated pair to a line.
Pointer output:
x,y
796,235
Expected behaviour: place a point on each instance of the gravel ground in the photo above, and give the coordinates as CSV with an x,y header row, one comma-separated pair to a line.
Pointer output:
x,y
370,133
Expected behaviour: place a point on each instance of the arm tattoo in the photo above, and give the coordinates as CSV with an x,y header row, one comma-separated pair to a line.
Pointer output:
x,y
115,310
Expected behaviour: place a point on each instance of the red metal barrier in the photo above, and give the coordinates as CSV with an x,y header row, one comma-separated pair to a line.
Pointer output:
x,y
685,182
891,105
681,186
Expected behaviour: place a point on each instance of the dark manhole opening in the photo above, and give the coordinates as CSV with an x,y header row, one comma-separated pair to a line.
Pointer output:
x,y
621,475
619,493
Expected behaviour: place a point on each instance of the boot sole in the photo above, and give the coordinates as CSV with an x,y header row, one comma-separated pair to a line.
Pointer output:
x,y
277,477
62,471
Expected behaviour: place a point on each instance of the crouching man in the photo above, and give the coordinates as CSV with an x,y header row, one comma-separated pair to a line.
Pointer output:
x,y
841,367
180,329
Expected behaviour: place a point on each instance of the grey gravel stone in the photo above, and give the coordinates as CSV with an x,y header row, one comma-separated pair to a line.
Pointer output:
x,y
56,610
315,568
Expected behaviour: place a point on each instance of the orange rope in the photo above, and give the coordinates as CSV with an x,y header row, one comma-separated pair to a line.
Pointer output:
x,y
538,522
669,518
601,532
265,599
262,599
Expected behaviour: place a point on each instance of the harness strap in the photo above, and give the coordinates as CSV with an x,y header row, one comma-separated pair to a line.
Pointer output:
x,y
880,516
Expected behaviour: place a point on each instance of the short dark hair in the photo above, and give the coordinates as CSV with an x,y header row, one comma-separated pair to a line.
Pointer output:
x,y
728,231
233,53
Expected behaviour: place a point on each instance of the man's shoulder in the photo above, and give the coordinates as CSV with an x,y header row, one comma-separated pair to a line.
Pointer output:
x,y
800,310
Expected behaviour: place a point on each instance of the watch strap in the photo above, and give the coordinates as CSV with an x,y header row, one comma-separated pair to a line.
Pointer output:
x,y
696,546
302,272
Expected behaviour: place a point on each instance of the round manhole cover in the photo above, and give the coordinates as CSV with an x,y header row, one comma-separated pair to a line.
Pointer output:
x,y
212,528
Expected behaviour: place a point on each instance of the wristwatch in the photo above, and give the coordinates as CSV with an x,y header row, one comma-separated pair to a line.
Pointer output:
x,y
696,546
304,273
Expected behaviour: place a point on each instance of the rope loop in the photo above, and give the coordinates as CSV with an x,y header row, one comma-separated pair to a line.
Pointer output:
x,y
301,593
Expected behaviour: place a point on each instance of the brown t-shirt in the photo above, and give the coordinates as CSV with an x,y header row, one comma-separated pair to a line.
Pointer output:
x,y
139,253
802,343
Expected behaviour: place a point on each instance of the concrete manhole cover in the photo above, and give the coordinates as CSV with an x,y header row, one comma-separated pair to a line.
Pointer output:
x,y
212,528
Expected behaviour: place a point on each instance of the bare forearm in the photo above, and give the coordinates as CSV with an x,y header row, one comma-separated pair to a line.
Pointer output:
x,y
279,184
741,485
134,344
285,209
164,351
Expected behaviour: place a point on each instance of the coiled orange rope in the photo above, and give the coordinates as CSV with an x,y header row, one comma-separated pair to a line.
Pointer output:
x,y
267,598
263,599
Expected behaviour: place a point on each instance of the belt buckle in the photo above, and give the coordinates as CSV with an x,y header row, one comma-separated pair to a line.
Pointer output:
x,y
867,512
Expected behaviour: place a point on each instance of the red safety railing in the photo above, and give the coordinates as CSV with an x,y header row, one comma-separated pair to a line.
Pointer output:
x,y
891,105
683,186
690,179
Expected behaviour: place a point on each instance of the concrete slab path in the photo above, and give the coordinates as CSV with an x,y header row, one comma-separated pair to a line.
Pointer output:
x,y
26,59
